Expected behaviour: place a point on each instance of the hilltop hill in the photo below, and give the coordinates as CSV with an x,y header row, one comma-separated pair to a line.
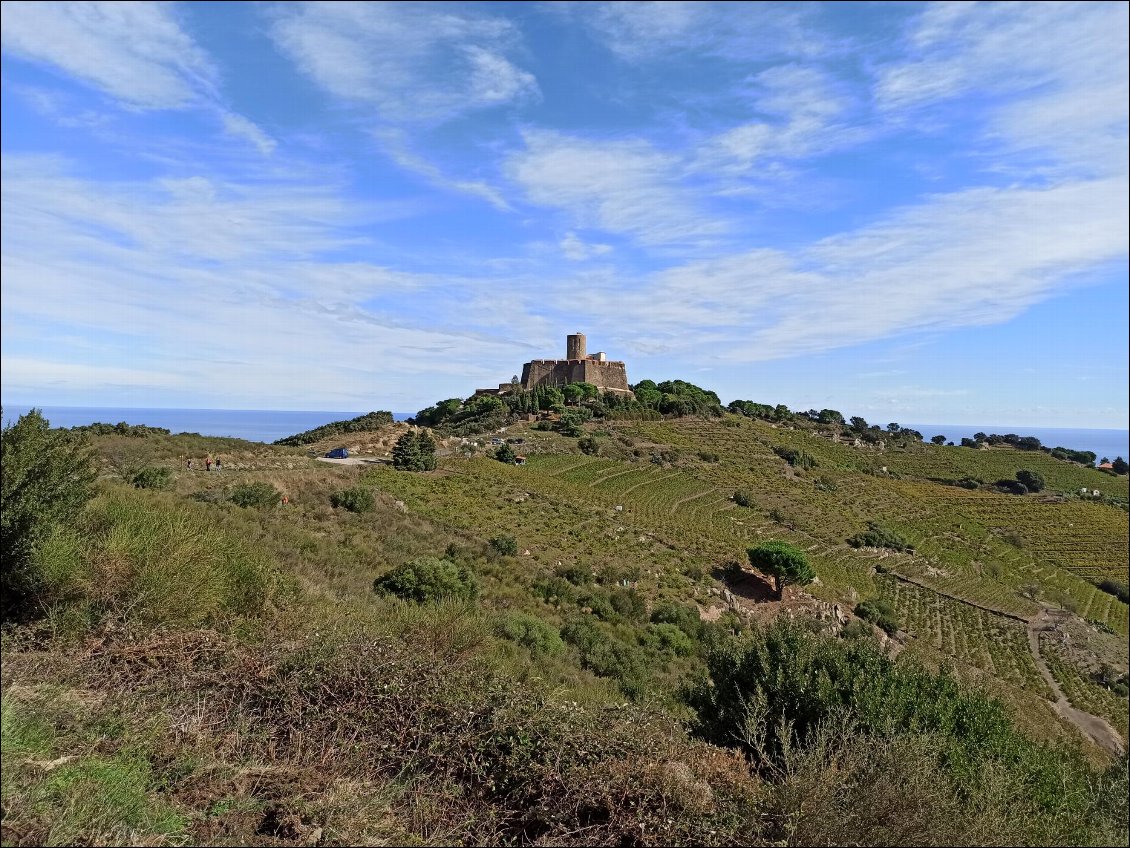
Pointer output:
x,y
567,664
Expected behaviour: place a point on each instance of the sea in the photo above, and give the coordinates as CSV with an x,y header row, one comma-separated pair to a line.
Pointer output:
x,y
1108,443
268,425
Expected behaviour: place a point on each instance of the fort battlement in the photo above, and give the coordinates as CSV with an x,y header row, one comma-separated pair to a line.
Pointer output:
x,y
577,367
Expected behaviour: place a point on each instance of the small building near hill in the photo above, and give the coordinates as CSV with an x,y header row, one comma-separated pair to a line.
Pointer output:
x,y
1106,466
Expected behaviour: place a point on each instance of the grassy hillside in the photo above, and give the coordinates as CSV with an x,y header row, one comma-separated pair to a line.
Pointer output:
x,y
202,672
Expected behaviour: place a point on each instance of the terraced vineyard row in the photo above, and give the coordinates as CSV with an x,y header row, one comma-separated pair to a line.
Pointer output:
x,y
1080,689
995,644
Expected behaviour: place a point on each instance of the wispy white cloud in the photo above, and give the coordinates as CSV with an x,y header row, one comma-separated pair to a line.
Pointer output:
x,y
136,52
575,249
805,112
1051,81
653,30
222,293
241,127
970,258
622,186
396,144
412,61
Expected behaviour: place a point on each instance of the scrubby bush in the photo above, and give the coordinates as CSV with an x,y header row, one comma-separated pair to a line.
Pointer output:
x,y
575,574
504,545
708,456
145,557
540,637
878,536
742,498
46,479
505,454
151,477
629,603
589,446
427,580
783,695
357,499
669,639
599,602
795,457
555,590
259,494
683,616
1031,479
1012,487
879,613
605,656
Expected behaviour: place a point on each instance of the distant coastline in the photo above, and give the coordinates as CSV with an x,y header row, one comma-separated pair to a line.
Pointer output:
x,y
267,425
254,425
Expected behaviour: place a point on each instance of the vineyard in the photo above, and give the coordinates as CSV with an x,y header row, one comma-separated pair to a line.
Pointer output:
x,y
996,645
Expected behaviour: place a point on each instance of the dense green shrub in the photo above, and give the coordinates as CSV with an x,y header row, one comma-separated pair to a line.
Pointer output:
x,y
606,656
786,563
683,616
878,536
708,456
667,638
599,601
540,637
572,422
46,479
153,477
1033,480
783,688
504,545
575,574
796,457
1012,487
742,498
505,454
414,451
428,579
879,613
555,590
589,446
629,603
361,424
258,494
356,499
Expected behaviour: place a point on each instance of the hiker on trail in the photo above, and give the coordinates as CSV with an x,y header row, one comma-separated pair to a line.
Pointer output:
x,y
219,465
208,463
189,465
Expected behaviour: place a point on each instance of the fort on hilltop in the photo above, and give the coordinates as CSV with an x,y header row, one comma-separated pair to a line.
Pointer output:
x,y
578,366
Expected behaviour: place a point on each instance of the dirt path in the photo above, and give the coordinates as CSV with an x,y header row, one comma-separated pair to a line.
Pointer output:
x,y
1095,727
1098,729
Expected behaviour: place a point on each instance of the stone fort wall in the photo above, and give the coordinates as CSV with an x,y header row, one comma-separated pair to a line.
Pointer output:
x,y
606,375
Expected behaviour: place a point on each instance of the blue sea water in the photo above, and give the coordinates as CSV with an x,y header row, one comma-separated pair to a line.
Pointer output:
x,y
1108,443
267,425
255,425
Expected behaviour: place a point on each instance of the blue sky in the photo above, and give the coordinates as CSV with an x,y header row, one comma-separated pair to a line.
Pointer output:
x,y
911,212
